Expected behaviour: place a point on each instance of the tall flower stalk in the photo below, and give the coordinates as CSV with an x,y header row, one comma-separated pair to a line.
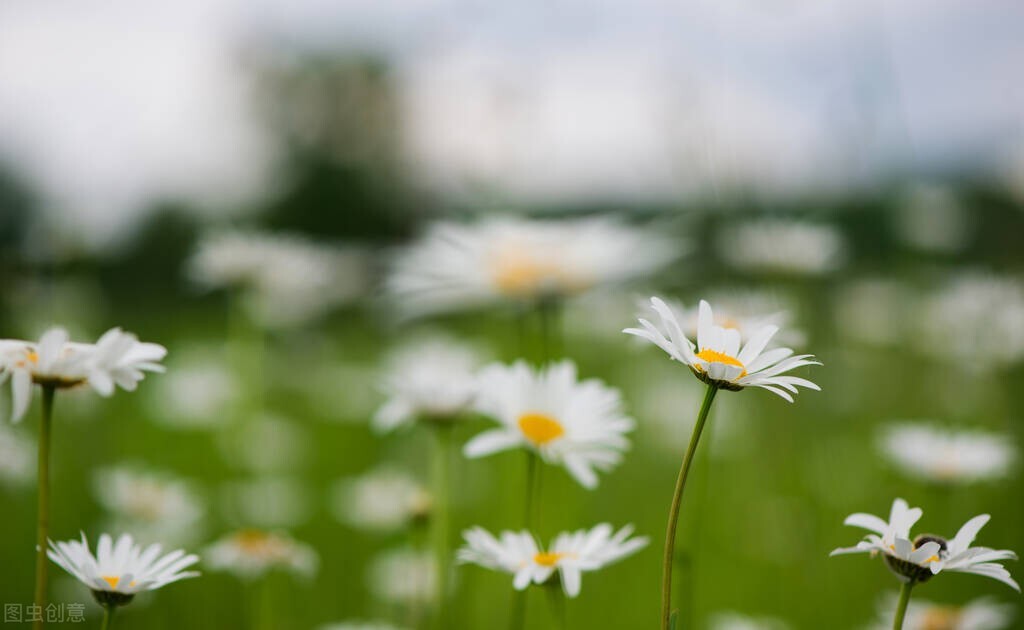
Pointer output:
x,y
43,504
441,478
722,359
677,499
901,605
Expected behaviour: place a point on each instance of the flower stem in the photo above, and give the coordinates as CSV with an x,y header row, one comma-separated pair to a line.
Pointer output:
x,y
441,477
108,614
43,506
673,514
901,607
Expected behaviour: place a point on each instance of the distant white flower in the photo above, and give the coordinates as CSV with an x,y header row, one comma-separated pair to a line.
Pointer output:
x,y
570,554
976,320
251,553
359,625
927,555
729,620
979,614
936,454
155,505
457,266
717,358
572,423
198,392
120,570
270,501
432,379
782,245
404,576
381,500
117,358
286,279
17,457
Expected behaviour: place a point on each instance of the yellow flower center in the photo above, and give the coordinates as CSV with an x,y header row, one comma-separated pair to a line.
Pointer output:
x,y
940,618
714,356
548,558
540,428
112,580
519,272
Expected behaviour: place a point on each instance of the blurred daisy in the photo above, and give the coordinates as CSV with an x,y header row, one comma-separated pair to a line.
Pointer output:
x,y
251,553
570,554
979,614
572,423
433,380
404,576
927,555
271,501
934,454
381,500
718,360
17,458
117,358
729,620
456,266
155,505
782,245
199,392
285,279
120,569
977,320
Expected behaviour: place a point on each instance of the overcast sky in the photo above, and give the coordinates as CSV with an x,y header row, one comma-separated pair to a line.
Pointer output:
x,y
106,107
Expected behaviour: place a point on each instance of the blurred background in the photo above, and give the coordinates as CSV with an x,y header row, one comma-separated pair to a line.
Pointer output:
x,y
857,165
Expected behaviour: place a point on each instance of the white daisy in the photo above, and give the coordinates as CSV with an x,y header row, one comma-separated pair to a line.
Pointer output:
x,y
782,245
935,454
570,554
155,505
432,379
927,555
285,279
120,569
199,392
117,358
457,266
404,576
717,359
576,424
979,614
746,313
250,553
730,620
381,500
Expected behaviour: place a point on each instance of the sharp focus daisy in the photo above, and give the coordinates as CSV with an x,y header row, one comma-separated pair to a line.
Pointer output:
x,y
935,454
432,380
718,358
457,266
568,422
250,553
918,559
782,245
117,358
979,614
381,500
121,568
747,312
570,554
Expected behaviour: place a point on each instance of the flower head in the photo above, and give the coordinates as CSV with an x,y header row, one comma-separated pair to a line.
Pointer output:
x,y
154,503
404,576
979,614
570,554
718,359
381,500
576,424
433,380
457,266
787,246
921,558
934,454
120,569
250,553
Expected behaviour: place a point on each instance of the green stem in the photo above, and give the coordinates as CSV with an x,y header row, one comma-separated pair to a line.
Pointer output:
x,y
43,506
441,475
532,473
108,614
518,617
673,514
558,607
901,607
